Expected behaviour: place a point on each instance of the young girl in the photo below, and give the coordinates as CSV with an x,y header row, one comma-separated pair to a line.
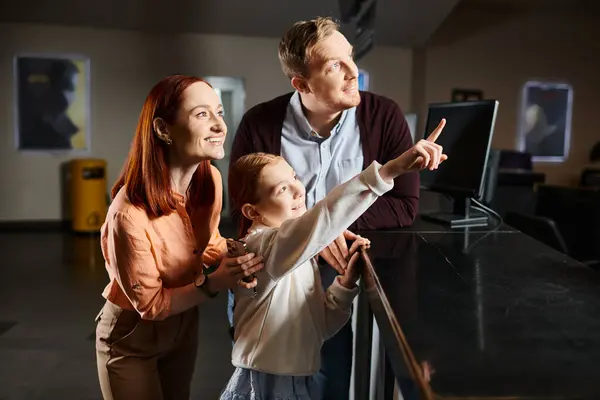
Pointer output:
x,y
279,330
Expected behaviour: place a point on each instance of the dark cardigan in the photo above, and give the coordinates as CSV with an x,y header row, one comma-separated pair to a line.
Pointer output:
x,y
384,135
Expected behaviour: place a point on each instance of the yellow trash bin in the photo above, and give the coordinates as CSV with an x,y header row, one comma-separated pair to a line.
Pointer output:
x,y
88,194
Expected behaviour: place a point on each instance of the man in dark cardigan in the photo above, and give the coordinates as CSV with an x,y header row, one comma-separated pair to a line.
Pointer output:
x,y
328,131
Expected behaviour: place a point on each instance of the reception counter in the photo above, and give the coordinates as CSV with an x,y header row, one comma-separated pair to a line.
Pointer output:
x,y
491,314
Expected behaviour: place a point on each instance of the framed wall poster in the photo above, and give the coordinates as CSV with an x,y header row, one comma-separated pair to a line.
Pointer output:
x,y
52,103
363,80
545,120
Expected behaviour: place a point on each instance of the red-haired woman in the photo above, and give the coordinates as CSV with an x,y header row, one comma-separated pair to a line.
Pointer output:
x,y
160,233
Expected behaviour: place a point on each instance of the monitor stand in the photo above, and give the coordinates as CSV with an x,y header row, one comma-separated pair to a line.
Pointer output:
x,y
462,215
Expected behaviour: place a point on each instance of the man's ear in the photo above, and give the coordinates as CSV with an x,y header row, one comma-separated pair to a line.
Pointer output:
x,y
160,128
249,211
301,85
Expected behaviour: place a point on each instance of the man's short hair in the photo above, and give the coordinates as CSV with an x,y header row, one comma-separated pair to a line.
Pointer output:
x,y
298,42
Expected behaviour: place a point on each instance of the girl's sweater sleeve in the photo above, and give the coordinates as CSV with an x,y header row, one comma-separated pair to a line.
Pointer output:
x,y
300,239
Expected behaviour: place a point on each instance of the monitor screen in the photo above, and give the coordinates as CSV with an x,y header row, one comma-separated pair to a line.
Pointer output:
x,y
466,140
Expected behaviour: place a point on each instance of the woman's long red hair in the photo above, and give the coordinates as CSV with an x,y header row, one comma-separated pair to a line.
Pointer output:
x,y
145,173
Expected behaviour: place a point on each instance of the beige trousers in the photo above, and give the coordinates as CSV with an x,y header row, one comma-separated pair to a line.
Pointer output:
x,y
145,360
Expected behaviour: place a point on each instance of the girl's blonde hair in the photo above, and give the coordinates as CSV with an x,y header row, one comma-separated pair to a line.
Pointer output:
x,y
243,180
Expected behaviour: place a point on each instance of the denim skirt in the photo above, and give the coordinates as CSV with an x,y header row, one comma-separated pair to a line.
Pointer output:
x,y
247,384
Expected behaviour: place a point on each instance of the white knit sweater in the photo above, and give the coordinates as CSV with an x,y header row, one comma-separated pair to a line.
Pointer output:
x,y
282,329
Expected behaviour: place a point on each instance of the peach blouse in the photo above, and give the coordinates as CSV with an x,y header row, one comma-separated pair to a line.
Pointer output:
x,y
146,258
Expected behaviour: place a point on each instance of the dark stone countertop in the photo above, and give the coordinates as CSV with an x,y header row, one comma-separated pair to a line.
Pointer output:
x,y
494,313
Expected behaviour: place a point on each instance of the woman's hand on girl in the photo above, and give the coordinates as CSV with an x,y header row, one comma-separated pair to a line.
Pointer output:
x,y
231,271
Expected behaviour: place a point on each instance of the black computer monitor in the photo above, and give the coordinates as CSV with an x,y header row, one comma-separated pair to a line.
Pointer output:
x,y
466,140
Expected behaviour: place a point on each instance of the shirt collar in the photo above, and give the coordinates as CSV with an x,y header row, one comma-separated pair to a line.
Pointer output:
x,y
302,122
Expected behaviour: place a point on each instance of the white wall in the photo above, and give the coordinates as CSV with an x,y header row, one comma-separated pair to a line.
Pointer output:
x,y
124,66
390,73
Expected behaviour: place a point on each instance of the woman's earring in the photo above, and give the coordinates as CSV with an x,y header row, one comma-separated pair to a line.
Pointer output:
x,y
168,141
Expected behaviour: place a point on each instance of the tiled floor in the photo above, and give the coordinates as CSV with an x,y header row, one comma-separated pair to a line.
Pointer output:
x,y
50,292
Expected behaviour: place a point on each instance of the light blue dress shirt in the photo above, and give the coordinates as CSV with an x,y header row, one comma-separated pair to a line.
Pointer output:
x,y
321,163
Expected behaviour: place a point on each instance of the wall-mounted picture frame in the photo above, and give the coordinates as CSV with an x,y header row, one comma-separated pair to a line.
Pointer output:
x,y
363,80
544,118
52,103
